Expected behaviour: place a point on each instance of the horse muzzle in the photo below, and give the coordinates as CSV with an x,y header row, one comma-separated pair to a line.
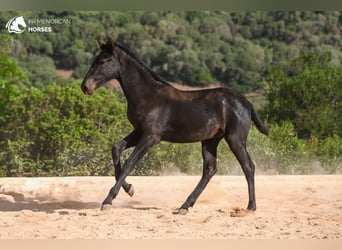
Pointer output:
x,y
88,87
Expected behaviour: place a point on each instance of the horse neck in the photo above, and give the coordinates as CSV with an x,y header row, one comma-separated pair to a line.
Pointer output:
x,y
137,84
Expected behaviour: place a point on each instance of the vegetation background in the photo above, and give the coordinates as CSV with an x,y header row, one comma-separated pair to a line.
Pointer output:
x,y
288,63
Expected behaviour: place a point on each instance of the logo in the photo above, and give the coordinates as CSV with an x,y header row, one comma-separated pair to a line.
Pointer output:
x,y
34,25
16,25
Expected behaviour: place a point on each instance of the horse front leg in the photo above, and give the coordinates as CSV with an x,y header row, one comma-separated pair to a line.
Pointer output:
x,y
142,147
129,141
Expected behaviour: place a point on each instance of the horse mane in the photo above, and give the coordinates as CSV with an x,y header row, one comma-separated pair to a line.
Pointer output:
x,y
144,66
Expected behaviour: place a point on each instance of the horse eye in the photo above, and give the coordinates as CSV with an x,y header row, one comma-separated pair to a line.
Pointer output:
x,y
104,61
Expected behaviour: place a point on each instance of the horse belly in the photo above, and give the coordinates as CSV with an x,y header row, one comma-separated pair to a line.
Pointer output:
x,y
192,129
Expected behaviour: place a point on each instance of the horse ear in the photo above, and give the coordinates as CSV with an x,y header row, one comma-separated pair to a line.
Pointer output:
x,y
110,44
99,43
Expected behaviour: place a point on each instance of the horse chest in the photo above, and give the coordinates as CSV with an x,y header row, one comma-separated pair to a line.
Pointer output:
x,y
148,119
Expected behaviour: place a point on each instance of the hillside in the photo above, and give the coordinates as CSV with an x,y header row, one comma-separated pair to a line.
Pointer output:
x,y
288,64
193,48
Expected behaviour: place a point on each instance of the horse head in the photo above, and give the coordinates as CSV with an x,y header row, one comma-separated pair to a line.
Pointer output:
x,y
104,68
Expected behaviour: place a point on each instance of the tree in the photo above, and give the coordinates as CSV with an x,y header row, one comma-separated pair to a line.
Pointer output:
x,y
308,93
41,70
11,76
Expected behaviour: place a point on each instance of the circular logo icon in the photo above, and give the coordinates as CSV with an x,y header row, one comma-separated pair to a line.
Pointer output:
x,y
16,25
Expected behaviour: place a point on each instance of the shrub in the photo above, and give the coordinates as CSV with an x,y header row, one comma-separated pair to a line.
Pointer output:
x,y
282,152
60,131
329,152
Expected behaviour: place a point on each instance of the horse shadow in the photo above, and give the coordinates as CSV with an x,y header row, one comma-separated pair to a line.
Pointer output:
x,y
15,202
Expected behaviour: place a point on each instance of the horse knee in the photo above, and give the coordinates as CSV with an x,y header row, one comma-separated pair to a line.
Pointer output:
x,y
115,151
210,168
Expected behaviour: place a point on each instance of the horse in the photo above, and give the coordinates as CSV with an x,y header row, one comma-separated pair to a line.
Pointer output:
x,y
160,112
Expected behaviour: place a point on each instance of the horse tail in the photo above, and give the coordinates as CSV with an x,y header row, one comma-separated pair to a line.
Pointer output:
x,y
258,123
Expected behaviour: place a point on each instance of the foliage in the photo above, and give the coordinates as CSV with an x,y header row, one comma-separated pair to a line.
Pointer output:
x,y
40,76
330,152
307,92
50,129
58,130
190,47
10,73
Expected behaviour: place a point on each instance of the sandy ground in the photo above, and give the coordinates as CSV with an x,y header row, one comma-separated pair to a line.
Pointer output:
x,y
289,207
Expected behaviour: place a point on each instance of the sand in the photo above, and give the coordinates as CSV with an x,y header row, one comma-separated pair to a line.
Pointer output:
x,y
289,207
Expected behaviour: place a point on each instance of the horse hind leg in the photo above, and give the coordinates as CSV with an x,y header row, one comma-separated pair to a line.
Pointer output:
x,y
209,149
238,146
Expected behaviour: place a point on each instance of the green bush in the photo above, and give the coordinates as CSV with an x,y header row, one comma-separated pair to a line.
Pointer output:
x,y
282,152
170,158
329,152
289,150
60,131
307,92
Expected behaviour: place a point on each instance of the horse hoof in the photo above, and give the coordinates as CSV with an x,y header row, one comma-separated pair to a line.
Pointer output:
x,y
181,211
106,207
130,191
251,207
